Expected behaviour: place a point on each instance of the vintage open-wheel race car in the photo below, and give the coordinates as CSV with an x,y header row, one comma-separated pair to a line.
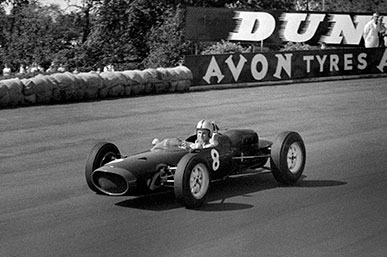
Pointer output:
x,y
171,164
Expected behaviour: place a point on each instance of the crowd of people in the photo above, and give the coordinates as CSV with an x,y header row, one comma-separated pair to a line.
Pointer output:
x,y
374,32
35,68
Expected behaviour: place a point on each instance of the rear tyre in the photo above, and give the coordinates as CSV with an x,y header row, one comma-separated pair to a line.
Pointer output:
x,y
288,158
100,154
192,181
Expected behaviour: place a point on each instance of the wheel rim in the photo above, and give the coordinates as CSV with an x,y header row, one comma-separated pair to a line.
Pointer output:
x,y
108,157
199,181
295,158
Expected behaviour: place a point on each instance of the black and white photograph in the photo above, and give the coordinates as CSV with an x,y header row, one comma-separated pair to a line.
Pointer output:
x,y
219,128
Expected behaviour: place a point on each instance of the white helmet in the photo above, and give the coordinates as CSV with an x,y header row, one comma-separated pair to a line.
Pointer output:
x,y
205,124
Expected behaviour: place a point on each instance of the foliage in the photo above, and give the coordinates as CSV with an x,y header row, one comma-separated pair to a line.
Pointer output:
x,y
166,41
84,15
291,46
261,4
356,6
128,33
119,34
224,47
36,34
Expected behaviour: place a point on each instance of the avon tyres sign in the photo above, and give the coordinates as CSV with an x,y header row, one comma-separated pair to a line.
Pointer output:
x,y
276,66
275,27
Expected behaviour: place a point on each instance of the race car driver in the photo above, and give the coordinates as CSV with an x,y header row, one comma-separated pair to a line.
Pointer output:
x,y
206,136
207,133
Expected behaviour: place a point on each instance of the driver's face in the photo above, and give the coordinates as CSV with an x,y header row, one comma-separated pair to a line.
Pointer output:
x,y
203,135
376,18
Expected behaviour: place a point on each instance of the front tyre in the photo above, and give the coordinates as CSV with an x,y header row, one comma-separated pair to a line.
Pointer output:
x,y
288,157
192,181
100,154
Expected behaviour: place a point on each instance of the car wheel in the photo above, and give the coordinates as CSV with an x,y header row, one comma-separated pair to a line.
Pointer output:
x,y
192,181
100,154
288,157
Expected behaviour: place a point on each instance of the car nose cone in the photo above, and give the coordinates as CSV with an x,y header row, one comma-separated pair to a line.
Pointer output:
x,y
114,181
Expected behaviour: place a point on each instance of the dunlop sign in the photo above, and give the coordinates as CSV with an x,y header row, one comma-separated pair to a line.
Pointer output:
x,y
275,27
275,66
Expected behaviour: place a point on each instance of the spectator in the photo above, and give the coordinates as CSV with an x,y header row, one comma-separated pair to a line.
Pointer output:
x,y
22,69
382,32
109,67
249,49
371,32
61,68
34,68
52,68
40,68
6,70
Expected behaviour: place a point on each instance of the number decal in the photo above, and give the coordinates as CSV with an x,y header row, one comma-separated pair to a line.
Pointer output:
x,y
215,159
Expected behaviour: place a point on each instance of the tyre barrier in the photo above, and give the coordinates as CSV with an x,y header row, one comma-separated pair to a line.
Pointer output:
x,y
68,87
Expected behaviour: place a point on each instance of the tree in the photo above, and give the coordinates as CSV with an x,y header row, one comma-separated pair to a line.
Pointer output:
x,y
22,35
120,32
262,4
356,6
166,40
35,33
84,11
128,33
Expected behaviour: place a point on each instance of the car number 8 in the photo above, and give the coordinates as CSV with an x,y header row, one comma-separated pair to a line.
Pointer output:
x,y
215,159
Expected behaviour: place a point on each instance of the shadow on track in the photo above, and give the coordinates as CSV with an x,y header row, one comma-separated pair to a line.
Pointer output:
x,y
319,183
242,185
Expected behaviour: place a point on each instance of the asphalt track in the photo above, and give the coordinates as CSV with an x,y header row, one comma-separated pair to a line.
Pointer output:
x,y
338,209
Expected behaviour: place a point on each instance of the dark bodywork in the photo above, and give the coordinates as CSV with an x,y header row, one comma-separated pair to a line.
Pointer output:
x,y
237,151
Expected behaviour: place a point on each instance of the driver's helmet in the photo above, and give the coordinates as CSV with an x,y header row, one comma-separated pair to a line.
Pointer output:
x,y
206,124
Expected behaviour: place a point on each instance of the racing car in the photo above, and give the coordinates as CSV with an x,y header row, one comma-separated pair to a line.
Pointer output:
x,y
189,172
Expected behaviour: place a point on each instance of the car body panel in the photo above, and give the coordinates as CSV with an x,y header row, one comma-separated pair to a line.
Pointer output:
x,y
141,172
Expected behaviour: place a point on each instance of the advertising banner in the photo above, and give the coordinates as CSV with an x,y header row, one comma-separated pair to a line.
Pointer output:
x,y
276,27
276,66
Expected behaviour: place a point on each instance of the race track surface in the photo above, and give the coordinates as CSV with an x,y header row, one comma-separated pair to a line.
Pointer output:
x,y
338,209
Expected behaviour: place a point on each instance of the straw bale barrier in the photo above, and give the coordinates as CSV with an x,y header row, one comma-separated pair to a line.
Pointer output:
x,y
12,91
68,87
